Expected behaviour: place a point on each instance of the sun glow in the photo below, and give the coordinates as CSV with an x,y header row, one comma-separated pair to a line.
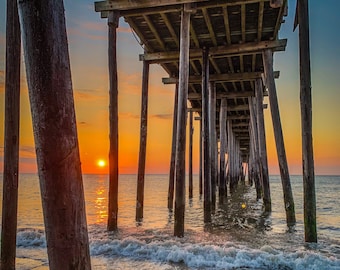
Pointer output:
x,y
101,163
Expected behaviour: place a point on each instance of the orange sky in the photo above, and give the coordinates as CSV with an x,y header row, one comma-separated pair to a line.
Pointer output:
x,y
87,35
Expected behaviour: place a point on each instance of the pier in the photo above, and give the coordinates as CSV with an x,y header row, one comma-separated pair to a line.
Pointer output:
x,y
218,56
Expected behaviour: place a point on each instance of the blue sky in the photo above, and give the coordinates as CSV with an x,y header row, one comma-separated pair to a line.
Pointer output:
x,y
87,35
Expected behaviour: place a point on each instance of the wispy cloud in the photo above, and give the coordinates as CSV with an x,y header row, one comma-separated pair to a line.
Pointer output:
x,y
151,116
128,116
27,151
161,116
89,94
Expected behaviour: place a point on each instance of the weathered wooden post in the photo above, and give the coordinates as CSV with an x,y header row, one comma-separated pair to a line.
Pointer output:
x,y
142,143
206,139
113,21
55,133
280,147
173,154
191,133
213,141
11,138
223,148
201,160
255,145
263,161
306,118
181,120
231,157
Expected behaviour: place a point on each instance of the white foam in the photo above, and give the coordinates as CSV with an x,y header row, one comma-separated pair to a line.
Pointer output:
x,y
29,237
211,256
205,255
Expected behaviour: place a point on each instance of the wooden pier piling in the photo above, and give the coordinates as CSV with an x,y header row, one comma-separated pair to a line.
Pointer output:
x,y
11,138
201,160
306,118
113,21
222,188
281,152
191,133
55,133
206,138
181,120
213,142
142,143
255,148
173,154
263,161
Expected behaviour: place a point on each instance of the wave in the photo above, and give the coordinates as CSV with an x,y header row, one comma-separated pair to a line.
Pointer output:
x,y
206,256
28,237
161,248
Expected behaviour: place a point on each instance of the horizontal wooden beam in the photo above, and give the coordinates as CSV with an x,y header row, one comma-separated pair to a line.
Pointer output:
x,y
137,4
227,77
234,108
226,51
136,8
230,95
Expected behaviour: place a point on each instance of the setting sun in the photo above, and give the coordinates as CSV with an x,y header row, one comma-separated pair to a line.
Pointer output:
x,y
101,163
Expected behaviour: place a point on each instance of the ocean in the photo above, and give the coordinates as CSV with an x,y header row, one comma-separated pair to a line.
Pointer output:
x,y
240,236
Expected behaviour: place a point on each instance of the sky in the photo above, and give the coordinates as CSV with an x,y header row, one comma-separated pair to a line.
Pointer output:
x,y
87,37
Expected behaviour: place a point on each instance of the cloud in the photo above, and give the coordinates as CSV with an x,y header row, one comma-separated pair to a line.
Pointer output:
x,y
161,116
128,116
27,151
151,116
89,94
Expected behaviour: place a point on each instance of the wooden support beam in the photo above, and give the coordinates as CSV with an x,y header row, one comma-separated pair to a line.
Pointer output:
x,y
255,145
225,51
154,31
227,77
170,28
201,159
55,133
173,154
231,157
243,22
206,138
191,133
213,142
136,4
209,25
142,143
226,24
133,8
260,21
11,138
222,188
263,161
306,118
113,21
228,95
280,147
181,121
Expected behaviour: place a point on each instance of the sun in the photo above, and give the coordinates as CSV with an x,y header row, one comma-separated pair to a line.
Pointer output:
x,y
101,163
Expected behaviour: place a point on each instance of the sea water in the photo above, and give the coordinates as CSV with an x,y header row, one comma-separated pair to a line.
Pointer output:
x,y
240,236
